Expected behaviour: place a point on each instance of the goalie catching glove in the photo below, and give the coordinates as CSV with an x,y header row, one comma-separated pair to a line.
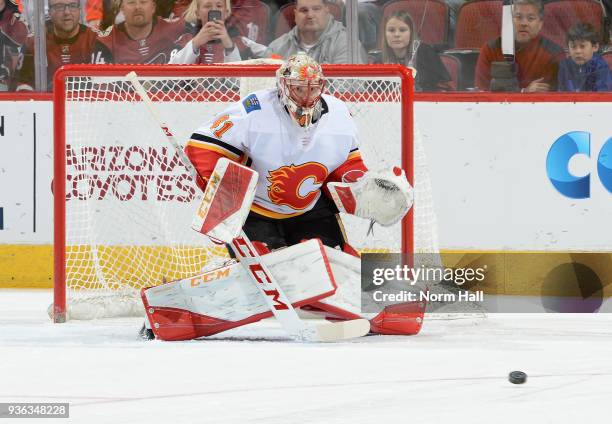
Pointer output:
x,y
384,197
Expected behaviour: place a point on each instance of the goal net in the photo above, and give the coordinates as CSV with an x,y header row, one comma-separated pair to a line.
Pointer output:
x,y
124,201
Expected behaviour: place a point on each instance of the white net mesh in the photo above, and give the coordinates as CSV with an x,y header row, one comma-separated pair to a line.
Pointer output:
x,y
130,200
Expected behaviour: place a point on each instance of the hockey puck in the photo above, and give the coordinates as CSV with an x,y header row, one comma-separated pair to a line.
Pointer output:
x,y
517,377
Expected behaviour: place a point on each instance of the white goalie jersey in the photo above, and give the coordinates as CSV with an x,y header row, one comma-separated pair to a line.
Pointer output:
x,y
293,163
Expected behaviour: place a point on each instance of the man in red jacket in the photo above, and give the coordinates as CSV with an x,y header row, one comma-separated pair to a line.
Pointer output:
x,y
67,42
144,37
537,58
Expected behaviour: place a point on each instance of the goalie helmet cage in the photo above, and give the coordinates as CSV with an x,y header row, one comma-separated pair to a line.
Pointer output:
x,y
123,202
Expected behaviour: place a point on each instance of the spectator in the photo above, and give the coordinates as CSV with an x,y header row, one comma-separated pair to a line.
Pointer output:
x,y
401,45
13,35
584,69
211,42
315,33
536,57
67,42
143,37
246,17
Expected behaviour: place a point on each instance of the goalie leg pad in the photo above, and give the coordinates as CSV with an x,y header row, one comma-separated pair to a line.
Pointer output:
x,y
346,301
401,319
173,324
225,298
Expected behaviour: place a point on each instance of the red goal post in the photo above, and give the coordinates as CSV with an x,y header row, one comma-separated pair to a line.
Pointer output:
x,y
94,107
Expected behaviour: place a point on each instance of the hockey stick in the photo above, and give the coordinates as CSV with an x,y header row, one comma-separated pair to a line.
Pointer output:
x,y
133,78
224,208
258,273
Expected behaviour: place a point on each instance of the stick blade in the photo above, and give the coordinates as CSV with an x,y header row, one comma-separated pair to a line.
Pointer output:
x,y
344,330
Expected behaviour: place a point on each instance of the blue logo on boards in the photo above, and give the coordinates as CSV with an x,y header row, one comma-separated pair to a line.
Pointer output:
x,y
560,153
251,103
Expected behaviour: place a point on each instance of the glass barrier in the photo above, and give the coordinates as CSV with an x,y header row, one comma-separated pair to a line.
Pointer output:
x,y
454,45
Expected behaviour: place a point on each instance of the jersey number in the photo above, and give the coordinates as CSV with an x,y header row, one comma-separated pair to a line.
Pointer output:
x,y
97,58
221,125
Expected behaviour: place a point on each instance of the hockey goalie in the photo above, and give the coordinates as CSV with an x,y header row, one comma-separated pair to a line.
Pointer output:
x,y
276,168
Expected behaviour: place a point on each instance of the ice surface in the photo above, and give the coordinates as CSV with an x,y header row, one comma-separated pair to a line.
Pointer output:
x,y
453,372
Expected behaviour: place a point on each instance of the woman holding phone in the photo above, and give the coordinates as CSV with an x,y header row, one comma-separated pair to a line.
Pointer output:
x,y
210,41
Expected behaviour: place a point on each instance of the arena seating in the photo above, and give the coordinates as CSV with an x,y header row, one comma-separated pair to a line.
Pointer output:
x,y
560,15
478,22
453,66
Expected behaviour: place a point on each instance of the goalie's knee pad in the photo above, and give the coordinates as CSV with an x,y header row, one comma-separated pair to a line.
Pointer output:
x,y
401,319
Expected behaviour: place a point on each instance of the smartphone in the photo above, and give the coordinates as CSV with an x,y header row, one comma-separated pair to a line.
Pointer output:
x,y
214,15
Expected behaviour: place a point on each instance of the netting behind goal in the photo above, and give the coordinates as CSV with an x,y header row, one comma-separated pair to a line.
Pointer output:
x,y
125,201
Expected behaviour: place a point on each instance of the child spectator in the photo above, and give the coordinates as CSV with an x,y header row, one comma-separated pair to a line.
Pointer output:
x,y
584,69
401,45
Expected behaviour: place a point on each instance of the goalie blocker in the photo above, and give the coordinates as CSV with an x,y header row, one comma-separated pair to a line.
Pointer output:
x,y
320,279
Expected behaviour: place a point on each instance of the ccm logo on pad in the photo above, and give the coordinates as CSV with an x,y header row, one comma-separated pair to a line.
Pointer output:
x,y
260,274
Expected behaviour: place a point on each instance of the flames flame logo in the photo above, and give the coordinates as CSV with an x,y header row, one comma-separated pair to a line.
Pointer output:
x,y
308,72
285,183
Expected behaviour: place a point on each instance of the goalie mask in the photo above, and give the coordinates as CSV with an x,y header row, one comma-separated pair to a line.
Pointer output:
x,y
300,84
